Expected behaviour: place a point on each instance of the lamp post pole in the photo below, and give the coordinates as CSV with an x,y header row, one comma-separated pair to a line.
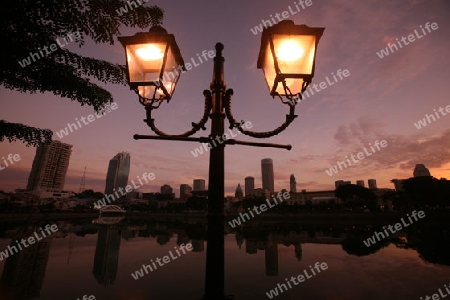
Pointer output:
x,y
214,279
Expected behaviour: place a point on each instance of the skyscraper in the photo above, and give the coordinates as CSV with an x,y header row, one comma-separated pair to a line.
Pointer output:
x,y
267,175
166,189
118,171
239,194
49,169
199,185
360,183
372,184
185,191
249,185
293,184
338,183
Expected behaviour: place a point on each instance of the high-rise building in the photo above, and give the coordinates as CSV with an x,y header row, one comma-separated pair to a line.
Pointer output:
x,y
118,171
249,185
421,171
199,185
372,184
293,184
338,183
360,183
268,182
185,191
239,193
49,169
166,189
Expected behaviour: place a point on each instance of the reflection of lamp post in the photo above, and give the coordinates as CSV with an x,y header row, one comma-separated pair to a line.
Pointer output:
x,y
287,57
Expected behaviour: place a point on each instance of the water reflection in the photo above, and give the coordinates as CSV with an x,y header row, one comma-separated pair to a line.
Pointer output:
x,y
24,272
106,259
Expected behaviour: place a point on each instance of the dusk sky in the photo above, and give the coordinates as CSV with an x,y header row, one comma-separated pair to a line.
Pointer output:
x,y
381,99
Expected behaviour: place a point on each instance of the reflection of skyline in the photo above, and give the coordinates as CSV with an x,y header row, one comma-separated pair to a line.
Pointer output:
x,y
271,256
106,258
279,247
24,272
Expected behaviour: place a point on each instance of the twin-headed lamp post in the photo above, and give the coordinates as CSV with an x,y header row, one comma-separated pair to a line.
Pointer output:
x,y
154,65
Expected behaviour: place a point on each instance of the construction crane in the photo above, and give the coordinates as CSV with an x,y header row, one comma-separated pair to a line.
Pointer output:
x,y
83,181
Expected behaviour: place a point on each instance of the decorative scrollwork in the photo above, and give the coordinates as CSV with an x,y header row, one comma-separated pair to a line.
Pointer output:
x,y
234,124
195,126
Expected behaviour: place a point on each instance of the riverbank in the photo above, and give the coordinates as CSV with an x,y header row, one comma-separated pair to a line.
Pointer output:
x,y
267,217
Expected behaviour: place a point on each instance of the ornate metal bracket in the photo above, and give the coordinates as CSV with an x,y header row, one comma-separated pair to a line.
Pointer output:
x,y
195,126
233,123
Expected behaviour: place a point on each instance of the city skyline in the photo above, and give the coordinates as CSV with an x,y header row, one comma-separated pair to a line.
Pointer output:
x,y
250,181
320,136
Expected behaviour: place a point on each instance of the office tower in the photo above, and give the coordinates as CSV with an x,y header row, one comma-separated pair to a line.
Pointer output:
x,y
166,189
106,258
185,191
249,185
199,185
347,182
338,183
118,171
293,184
239,193
49,169
420,170
360,182
267,175
372,184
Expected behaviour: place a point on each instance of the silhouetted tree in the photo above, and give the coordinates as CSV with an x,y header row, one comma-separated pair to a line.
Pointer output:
x,y
197,203
354,245
426,190
33,26
355,195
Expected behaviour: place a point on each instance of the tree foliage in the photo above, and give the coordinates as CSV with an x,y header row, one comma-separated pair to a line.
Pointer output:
x,y
355,193
29,26
427,190
29,135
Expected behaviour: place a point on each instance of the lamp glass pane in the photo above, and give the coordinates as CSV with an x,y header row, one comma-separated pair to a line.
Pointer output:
x,y
294,85
148,91
295,53
171,72
269,67
145,61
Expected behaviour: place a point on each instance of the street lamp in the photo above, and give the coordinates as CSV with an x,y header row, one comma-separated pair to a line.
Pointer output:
x,y
150,56
287,57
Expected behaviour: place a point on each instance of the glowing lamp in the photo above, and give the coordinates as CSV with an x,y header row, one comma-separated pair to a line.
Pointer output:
x,y
287,57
